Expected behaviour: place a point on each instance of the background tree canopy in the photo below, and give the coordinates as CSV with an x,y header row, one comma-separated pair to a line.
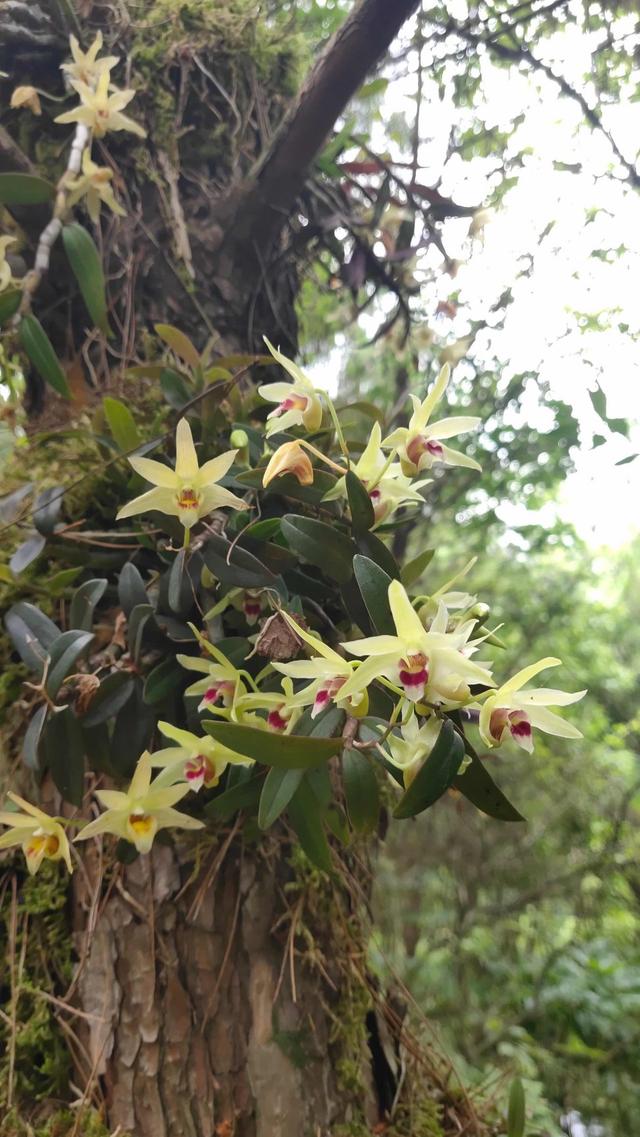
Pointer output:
x,y
382,188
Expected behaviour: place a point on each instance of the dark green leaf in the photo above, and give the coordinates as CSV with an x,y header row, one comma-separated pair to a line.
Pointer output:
x,y
63,752
321,544
241,796
11,502
361,791
479,788
46,509
373,583
112,694
238,567
516,1110
121,423
26,553
163,681
32,634
86,265
278,789
286,751
84,601
414,569
373,548
131,590
24,189
304,817
132,732
64,652
180,592
31,743
139,618
436,774
37,345
360,504
599,402
174,388
9,304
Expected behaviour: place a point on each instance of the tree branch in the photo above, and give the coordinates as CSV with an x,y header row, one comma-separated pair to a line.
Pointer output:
x,y
341,68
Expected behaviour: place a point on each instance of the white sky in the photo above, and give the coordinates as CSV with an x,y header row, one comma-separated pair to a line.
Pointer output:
x,y
541,332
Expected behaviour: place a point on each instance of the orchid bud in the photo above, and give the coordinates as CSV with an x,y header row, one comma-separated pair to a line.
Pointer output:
x,y
290,458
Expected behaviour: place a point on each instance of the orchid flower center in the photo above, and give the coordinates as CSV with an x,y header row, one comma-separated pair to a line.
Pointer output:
x,y
199,770
292,402
223,690
516,722
188,498
414,672
276,720
42,844
421,445
251,608
141,823
326,693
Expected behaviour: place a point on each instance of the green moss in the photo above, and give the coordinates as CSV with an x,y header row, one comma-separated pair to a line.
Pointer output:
x,y
61,1123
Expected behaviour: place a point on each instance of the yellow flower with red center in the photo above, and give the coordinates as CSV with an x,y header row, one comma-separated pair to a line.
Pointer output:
x,y
100,111
197,761
420,446
298,402
41,836
513,711
190,491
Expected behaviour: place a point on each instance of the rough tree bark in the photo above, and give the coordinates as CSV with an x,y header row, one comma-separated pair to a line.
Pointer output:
x,y
189,1039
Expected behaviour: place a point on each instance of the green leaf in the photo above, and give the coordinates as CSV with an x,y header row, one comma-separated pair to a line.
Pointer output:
x,y
86,265
373,583
243,795
599,402
26,553
321,544
516,1110
479,788
121,423
131,589
414,569
9,304
362,515
305,820
236,566
174,388
25,189
32,634
179,343
373,548
286,751
37,345
64,652
436,774
137,622
84,601
33,734
63,753
361,791
46,509
60,581
164,680
180,591
278,789
132,732
111,696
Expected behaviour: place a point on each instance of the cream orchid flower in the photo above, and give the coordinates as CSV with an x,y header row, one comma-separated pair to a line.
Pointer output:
x,y
328,672
512,710
139,813
385,482
222,682
432,665
6,277
190,491
26,97
86,68
409,749
197,761
94,185
41,836
419,446
100,111
298,402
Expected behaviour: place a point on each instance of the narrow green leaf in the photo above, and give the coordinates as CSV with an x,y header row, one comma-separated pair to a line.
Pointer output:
x,y
278,789
414,569
68,647
9,304
479,788
86,266
84,601
27,552
38,347
360,504
63,752
25,189
243,795
373,548
305,820
179,343
321,544
361,791
121,423
46,509
112,694
436,774
286,751
516,1110
373,583
31,743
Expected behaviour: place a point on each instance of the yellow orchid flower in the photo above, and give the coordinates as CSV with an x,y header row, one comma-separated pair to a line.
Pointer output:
x,y
26,97
139,813
94,185
86,67
222,682
197,761
388,487
328,672
190,491
513,711
41,836
419,446
409,749
298,402
100,111
282,710
6,277
289,458
432,665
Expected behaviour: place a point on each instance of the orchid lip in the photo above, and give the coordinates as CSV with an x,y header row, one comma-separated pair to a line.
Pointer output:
x,y
276,721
